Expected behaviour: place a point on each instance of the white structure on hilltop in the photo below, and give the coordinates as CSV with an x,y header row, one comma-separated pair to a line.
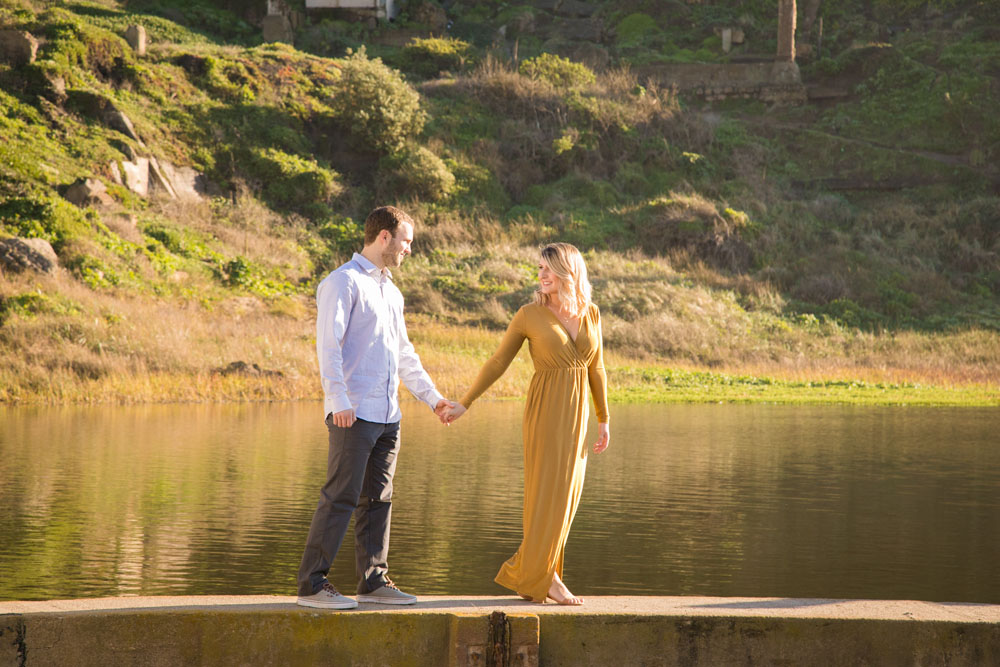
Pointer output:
x,y
383,9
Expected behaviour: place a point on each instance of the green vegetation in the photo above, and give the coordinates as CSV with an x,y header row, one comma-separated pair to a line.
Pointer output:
x,y
830,239
666,385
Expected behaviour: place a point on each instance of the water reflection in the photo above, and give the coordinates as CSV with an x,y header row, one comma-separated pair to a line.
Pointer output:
x,y
715,500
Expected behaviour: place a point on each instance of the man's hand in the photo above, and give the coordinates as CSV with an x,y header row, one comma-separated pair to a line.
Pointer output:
x,y
344,418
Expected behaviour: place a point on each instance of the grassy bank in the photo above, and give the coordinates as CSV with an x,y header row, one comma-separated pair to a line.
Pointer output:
x,y
102,369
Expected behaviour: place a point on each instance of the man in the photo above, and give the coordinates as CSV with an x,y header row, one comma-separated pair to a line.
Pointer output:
x,y
363,352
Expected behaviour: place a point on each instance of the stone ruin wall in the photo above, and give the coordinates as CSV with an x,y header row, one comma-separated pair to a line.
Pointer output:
x,y
773,82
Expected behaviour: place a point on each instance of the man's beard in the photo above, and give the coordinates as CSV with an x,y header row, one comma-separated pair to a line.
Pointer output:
x,y
391,258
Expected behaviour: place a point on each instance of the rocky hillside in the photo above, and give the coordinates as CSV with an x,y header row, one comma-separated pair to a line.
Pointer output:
x,y
171,187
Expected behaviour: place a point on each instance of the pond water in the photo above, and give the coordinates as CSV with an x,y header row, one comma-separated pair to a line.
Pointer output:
x,y
832,502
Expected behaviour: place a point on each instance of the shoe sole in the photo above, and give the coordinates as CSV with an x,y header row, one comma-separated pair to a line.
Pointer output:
x,y
323,605
376,600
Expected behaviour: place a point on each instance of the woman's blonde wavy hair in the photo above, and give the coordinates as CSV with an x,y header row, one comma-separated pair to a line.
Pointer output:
x,y
568,265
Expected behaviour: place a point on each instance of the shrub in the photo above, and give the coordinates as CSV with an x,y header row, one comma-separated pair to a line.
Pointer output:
x,y
293,181
634,28
427,57
414,171
342,234
560,72
34,215
693,223
375,105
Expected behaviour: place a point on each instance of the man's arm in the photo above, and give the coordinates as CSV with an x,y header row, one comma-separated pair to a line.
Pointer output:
x,y
334,301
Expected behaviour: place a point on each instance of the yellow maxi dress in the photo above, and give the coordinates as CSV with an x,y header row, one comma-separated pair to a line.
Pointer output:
x,y
555,422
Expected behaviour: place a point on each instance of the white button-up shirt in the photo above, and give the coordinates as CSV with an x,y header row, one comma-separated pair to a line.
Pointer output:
x,y
362,344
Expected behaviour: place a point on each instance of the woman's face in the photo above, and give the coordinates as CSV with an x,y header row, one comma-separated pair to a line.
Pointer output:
x,y
548,281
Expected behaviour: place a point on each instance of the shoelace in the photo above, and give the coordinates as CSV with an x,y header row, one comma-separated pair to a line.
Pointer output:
x,y
329,588
389,584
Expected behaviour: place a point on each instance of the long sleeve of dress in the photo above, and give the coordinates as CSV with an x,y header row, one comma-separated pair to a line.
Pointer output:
x,y
498,363
596,375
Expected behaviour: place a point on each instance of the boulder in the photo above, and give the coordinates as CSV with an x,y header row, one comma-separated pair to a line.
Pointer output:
x,y
116,173
136,176
88,191
17,254
135,35
18,47
187,184
158,181
116,119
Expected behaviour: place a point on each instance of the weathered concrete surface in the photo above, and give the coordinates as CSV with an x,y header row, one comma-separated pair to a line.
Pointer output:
x,y
271,630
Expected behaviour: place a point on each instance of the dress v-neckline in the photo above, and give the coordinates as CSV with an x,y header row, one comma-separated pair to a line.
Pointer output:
x,y
579,326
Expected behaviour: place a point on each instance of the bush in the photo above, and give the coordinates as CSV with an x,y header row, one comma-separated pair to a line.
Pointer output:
x,y
634,28
427,57
292,181
34,215
414,171
560,72
375,105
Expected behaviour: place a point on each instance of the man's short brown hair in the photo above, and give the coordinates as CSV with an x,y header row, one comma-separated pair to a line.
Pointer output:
x,y
384,217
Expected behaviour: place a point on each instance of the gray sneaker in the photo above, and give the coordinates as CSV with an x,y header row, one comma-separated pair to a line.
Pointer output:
x,y
327,598
387,594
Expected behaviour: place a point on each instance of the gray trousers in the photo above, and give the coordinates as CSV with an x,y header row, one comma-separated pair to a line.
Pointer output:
x,y
360,466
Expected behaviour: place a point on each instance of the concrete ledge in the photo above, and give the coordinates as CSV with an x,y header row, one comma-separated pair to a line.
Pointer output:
x,y
457,631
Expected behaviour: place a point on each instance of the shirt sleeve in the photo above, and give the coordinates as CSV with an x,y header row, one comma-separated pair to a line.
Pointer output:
x,y
412,372
596,374
334,301
498,363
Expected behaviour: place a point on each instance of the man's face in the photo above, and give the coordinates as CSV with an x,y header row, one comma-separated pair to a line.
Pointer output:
x,y
398,246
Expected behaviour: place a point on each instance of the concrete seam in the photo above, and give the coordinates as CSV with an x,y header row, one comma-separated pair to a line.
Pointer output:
x,y
22,643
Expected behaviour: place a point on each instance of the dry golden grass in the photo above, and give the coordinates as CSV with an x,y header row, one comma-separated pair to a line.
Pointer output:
x,y
118,346
124,347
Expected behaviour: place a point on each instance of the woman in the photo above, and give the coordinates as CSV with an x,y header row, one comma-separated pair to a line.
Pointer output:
x,y
563,328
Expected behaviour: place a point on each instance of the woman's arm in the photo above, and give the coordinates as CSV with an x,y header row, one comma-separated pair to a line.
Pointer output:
x,y
598,379
498,363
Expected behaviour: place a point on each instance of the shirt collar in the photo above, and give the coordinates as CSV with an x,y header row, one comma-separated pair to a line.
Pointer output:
x,y
369,268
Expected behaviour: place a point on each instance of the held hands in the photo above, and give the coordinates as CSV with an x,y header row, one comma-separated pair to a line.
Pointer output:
x,y
603,438
449,411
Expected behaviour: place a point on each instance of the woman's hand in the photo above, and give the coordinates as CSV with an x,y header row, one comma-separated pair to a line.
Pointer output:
x,y
603,438
451,414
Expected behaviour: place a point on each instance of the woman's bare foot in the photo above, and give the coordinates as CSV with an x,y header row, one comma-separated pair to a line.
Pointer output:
x,y
561,595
